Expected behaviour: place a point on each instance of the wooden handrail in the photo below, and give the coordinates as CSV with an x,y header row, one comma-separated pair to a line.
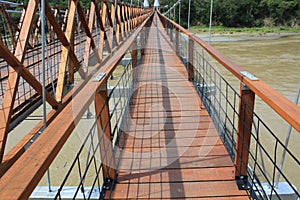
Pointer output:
x,y
289,111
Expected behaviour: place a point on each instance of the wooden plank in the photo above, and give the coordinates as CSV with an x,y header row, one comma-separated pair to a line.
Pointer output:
x,y
171,150
177,175
172,143
177,190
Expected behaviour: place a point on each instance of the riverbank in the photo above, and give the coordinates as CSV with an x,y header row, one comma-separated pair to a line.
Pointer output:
x,y
236,37
225,34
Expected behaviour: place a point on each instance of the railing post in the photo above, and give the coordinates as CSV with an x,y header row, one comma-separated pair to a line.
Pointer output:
x,y
245,121
191,60
171,32
134,54
104,135
177,41
142,40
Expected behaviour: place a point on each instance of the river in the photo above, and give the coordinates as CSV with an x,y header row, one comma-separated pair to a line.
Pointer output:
x,y
276,61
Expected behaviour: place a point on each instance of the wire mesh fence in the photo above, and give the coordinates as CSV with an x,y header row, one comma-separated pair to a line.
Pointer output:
x,y
92,171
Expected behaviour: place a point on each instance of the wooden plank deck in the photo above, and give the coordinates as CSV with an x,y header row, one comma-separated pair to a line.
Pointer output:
x,y
171,149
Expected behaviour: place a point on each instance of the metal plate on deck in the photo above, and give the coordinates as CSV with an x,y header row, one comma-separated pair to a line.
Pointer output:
x,y
249,75
99,76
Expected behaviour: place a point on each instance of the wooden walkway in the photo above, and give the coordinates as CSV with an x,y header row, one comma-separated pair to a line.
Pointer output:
x,y
170,146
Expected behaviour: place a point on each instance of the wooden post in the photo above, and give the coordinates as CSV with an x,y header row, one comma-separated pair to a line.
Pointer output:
x,y
191,60
134,54
142,40
246,107
104,134
177,41
171,32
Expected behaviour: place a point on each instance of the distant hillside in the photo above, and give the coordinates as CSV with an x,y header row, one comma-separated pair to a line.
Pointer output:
x,y
230,13
241,13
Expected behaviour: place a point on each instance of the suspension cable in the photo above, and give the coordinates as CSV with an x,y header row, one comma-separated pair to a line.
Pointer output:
x,y
210,20
44,45
189,15
174,5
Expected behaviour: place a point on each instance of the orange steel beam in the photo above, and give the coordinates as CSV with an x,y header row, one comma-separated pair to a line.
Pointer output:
x,y
19,184
62,38
280,104
112,31
123,20
14,77
17,151
119,32
89,39
102,23
65,51
87,27
127,13
24,72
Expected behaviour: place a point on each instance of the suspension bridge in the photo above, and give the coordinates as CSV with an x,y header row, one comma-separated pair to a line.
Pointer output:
x,y
121,102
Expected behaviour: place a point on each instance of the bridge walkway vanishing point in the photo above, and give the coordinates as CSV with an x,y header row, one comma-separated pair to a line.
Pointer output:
x,y
150,118
171,148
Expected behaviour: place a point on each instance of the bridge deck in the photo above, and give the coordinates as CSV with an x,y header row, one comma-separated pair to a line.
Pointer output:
x,y
170,146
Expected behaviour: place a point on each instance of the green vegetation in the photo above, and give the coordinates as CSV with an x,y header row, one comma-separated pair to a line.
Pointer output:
x,y
251,30
241,13
228,13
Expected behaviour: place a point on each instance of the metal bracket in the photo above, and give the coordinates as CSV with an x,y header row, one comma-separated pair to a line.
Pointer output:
x,y
99,77
242,183
109,184
245,87
249,75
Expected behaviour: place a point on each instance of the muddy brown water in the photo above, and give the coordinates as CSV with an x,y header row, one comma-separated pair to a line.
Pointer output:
x,y
276,62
